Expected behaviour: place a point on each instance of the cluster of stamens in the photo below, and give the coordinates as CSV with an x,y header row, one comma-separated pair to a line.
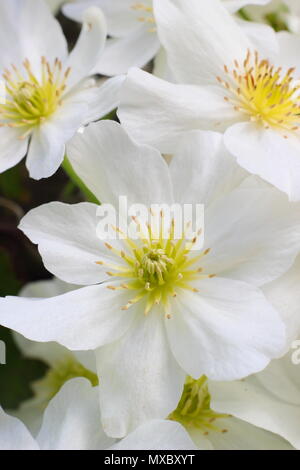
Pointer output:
x,y
263,93
155,266
31,100
145,14
194,411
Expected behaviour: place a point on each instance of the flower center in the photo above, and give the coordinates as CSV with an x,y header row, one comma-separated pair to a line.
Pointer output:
x,y
63,371
145,14
263,93
30,100
194,411
155,267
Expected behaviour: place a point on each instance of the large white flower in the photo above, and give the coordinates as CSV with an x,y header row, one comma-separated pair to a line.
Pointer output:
x,y
229,85
156,311
48,93
270,399
132,27
72,422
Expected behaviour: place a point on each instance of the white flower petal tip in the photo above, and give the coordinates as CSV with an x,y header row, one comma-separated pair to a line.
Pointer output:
x,y
93,17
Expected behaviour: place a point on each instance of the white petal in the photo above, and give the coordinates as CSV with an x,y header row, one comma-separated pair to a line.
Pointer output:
x,y
157,435
47,146
202,170
40,33
80,320
115,165
289,51
253,233
50,353
241,435
48,288
89,46
72,420
11,50
284,294
106,98
120,16
140,379
268,154
12,148
134,50
206,38
14,435
221,331
252,402
157,113
68,241
263,37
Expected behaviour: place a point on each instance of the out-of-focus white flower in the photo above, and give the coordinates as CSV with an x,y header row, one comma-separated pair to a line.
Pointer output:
x,y
286,12
132,28
72,422
48,95
261,12
270,399
63,364
201,313
229,85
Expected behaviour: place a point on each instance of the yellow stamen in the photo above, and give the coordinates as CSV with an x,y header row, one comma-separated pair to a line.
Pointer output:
x,y
263,93
31,100
156,266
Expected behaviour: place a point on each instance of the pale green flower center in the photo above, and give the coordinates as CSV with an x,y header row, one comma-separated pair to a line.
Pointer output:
x,y
31,100
194,411
155,268
63,371
263,93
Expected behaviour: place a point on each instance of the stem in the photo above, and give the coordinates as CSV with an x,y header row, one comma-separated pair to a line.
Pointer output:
x,y
78,182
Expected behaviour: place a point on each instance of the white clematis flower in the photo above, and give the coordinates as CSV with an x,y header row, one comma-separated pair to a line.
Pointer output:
x,y
48,94
229,85
269,399
132,27
202,312
72,422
